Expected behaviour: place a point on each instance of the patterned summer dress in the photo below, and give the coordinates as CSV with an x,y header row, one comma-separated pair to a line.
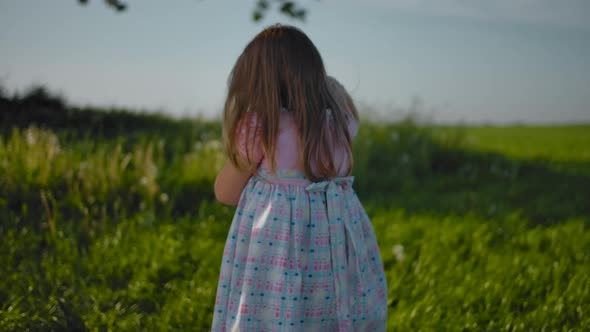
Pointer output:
x,y
300,256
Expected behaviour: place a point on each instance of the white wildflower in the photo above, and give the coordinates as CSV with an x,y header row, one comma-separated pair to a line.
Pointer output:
x,y
152,170
213,144
53,141
398,252
31,137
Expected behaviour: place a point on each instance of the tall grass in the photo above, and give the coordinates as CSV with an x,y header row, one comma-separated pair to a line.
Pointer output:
x,y
119,230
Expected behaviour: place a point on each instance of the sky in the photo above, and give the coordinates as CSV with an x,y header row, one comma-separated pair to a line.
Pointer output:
x,y
452,61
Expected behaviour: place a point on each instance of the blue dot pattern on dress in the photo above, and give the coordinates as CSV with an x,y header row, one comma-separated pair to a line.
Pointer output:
x,y
308,252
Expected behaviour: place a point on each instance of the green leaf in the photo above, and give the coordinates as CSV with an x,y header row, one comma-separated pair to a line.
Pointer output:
x,y
287,8
262,4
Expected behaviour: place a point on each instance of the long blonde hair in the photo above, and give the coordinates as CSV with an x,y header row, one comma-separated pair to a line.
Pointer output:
x,y
281,67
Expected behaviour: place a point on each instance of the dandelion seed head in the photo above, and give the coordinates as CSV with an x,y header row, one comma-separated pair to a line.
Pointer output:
x,y
398,252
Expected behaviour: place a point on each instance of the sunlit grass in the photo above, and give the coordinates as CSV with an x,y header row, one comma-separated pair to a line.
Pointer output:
x,y
469,273
553,143
477,230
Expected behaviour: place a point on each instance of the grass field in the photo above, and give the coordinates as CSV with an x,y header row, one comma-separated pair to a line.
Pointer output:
x,y
556,143
480,228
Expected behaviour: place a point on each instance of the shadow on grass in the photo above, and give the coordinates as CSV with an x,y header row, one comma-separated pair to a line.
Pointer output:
x,y
489,184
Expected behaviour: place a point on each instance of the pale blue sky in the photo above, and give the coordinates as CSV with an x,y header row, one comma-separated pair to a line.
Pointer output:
x,y
468,61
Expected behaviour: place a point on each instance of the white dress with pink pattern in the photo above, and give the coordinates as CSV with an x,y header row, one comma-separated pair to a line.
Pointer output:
x,y
300,255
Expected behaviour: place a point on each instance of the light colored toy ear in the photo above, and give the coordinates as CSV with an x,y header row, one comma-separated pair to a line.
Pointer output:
x,y
335,86
336,89
332,82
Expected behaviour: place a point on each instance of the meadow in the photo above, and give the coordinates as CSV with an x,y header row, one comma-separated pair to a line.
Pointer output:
x,y
108,221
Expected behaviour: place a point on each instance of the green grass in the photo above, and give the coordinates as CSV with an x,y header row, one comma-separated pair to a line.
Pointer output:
x,y
468,273
480,228
555,143
561,147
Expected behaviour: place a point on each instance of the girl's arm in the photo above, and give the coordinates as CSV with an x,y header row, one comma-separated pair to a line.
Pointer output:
x,y
230,182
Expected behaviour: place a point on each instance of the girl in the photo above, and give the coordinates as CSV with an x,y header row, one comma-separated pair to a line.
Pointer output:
x,y
301,253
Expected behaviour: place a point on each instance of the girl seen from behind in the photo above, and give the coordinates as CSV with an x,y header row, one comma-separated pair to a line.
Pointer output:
x,y
301,253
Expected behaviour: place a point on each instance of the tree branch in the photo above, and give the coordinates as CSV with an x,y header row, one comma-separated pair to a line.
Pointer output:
x,y
286,7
